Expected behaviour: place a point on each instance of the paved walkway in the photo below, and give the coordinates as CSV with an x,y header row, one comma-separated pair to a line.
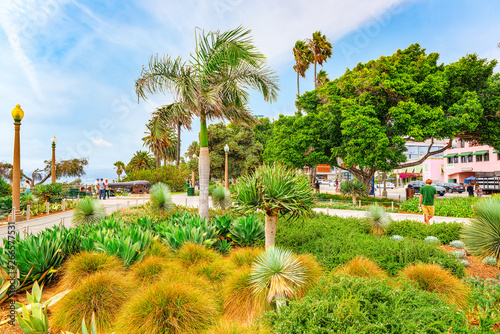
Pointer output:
x,y
38,224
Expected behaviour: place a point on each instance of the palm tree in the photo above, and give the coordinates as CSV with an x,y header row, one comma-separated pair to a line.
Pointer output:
x,y
212,85
303,59
482,235
120,166
322,78
176,115
321,49
161,140
276,190
352,188
140,161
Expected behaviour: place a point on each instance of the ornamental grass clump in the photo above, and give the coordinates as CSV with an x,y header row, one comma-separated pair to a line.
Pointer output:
x,y
84,264
244,256
362,267
160,198
168,307
278,274
482,235
215,271
312,270
240,302
221,198
192,254
433,278
158,248
377,219
151,269
88,211
277,190
228,327
103,293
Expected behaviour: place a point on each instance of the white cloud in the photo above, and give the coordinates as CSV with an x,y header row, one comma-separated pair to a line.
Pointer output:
x,y
100,142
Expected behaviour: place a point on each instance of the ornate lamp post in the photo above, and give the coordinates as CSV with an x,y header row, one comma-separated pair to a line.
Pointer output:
x,y
16,216
226,182
53,170
193,175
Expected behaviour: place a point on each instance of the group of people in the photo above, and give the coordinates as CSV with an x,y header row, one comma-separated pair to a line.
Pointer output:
x,y
336,183
474,189
102,188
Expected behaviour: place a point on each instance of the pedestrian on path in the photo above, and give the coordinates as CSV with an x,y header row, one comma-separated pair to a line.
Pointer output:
x,y
470,190
102,191
27,188
106,188
427,196
316,184
479,191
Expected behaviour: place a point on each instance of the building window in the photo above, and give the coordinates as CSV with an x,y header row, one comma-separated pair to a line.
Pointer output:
x,y
470,158
479,158
463,159
487,157
450,159
455,159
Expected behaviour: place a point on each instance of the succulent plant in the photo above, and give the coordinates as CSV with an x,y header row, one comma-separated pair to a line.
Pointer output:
x,y
460,254
490,260
431,240
457,244
396,238
465,263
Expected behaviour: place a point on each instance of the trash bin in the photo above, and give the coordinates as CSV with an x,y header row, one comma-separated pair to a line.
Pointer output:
x,y
190,191
410,193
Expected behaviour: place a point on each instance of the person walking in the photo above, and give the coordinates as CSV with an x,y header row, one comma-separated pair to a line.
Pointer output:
x,y
102,191
336,185
316,184
427,196
106,188
27,188
479,191
470,190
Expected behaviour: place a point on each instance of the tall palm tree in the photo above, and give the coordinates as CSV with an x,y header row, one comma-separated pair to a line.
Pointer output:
x,y
176,115
322,78
160,140
321,49
212,84
120,166
303,59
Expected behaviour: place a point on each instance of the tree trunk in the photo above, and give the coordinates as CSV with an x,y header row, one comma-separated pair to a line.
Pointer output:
x,y
271,226
204,170
157,161
315,79
178,143
298,90
354,199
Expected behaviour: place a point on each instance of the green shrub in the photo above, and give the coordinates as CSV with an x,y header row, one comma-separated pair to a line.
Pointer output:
x,y
357,305
170,175
245,231
335,241
445,232
446,207
5,188
484,302
52,192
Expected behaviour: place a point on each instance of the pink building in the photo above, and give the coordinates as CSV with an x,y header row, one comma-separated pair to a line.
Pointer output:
x,y
433,169
465,160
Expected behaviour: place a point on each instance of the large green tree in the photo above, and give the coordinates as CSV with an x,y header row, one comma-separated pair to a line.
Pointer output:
x,y
212,84
375,108
64,168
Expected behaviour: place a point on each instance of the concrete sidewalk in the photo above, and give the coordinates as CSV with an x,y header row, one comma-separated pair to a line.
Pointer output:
x,y
394,216
64,218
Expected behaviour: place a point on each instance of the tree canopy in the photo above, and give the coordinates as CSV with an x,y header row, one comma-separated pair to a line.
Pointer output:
x,y
372,110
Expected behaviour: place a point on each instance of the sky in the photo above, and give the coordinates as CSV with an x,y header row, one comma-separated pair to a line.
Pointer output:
x,y
71,64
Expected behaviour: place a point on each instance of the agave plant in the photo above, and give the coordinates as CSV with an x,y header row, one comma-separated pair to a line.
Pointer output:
x,y
378,219
35,320
352,188
482,235
88,211
222,223
160,198
276,190
246,231
221,198
278,274
93,326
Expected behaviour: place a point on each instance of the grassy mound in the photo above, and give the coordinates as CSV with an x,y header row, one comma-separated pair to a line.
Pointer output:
x,y
244,256
191,254
362,267
152,268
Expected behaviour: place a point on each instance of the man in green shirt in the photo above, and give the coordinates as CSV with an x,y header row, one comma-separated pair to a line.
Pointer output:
x,y
427,196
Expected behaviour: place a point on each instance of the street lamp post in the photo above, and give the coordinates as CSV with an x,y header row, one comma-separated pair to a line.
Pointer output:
x,y
226,182
193,174
16,216
53,170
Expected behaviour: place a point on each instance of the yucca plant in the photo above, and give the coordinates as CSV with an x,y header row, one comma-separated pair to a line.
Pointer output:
x,y
160,198
352,188
245,231
221,198
482,235
378,219
278,274
276,190
88,211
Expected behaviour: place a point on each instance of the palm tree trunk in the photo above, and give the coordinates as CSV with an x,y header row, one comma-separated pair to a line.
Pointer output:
x,y
298,90
204,170
354,199
271,226
315,79
178,143
157,160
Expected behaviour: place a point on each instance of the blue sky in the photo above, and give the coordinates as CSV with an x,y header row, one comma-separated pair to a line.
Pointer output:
x,y
71,64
